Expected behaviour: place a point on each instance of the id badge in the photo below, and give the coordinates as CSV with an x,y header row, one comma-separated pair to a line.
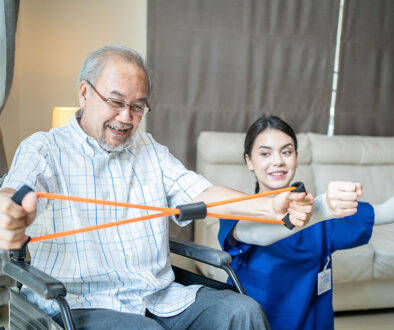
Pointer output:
x,y
324,279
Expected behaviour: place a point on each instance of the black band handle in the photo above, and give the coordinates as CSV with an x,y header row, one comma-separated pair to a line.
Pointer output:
x,y
18,196
299,188
193,211
20,254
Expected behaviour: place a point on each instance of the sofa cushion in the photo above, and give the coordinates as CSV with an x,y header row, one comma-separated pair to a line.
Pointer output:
x,y
220,148
350,149
382,241
353,264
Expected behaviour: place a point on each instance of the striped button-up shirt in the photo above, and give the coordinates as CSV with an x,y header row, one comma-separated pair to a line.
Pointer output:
x,y
124,268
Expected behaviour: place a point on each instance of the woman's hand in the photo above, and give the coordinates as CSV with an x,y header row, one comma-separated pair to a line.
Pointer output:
x,y
342,198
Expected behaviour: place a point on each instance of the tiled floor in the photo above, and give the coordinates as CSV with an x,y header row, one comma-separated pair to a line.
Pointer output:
x,y
4,316
365,320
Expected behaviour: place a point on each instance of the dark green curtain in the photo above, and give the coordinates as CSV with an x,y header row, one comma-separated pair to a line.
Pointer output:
x,y
366,74
219,65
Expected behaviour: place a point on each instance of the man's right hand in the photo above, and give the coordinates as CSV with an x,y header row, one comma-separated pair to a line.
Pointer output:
x,y
299,206
14,219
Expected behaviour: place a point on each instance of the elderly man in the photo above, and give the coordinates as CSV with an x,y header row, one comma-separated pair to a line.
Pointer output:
x,y
120,276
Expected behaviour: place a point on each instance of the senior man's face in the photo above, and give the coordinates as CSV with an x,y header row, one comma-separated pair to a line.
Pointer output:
x,y
111,128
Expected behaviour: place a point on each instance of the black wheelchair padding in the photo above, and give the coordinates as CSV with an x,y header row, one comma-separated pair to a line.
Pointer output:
x,y
20,254
193,211
299,188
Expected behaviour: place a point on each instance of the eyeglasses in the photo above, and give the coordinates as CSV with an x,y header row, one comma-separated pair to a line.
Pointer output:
x,y
120,105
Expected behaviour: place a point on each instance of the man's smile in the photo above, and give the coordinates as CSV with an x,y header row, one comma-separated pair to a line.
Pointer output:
x,y
119,130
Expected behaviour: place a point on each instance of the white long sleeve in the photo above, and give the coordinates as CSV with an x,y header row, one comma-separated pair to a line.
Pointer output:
x,y
266,234
384,212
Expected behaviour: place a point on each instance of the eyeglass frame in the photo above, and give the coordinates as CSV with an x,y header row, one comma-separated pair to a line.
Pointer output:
x,y
125,104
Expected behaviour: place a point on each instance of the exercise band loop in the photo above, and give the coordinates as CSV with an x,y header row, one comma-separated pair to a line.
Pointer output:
x,y
162,212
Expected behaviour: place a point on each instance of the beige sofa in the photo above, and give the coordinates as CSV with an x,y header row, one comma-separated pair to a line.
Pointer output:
x,y
363,277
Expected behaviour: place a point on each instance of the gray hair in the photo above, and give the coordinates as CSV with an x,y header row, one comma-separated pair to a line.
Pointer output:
x,y
95,63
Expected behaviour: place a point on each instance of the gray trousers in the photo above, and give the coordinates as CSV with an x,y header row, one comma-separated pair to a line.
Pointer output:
x,y
213,309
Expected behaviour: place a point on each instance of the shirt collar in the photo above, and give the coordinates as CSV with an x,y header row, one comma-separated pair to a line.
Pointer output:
x,y
89,143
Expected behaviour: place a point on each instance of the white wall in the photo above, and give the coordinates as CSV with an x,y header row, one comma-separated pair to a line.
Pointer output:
x,y
53,38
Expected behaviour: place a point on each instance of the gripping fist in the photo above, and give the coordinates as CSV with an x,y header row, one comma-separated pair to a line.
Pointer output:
x,y
15,218
342,198
298,205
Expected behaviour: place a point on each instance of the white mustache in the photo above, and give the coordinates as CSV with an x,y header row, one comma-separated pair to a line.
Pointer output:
x,y
119,126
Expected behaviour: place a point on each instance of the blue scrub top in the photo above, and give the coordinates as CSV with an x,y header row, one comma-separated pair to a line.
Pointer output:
x,y
282,277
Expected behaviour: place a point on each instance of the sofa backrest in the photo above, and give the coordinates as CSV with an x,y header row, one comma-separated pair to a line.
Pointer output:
x,y
321,159
365,159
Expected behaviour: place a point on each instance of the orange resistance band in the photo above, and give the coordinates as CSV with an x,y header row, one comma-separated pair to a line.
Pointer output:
x,y
91,228
244,198
243,218
102,202
164,212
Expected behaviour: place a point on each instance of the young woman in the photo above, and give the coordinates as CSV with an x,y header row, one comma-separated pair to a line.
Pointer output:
x,y
291,278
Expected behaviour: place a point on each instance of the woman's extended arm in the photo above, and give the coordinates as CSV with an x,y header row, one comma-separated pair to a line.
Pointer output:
x,y
339,201
384,212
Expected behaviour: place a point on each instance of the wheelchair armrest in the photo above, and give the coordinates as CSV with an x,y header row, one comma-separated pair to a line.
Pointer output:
x,y
201,253
41,283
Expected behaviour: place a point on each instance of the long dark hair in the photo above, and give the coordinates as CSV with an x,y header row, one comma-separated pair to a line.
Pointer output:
x,y
259,126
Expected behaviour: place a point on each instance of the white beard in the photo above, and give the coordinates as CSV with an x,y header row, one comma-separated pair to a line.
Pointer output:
x,y
118,148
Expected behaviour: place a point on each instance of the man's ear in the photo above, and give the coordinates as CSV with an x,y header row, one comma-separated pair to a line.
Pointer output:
x,y
249,163
82,92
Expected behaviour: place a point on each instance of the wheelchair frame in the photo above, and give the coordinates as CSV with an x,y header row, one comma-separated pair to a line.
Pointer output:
x,y
25,315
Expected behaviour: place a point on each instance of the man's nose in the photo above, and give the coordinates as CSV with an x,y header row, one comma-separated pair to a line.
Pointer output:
x,y
125,115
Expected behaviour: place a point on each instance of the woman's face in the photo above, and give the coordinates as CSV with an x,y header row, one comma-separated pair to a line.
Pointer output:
x,y
273,159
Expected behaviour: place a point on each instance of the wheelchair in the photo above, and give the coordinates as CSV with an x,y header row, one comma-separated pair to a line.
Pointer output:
x,y
25,315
